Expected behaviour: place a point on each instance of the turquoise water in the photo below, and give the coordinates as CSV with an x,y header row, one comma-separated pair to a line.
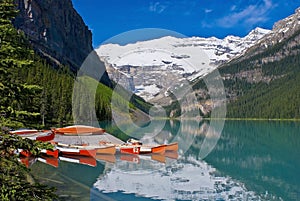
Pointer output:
x,y
249,160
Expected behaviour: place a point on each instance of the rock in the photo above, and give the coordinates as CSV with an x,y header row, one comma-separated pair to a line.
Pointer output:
x,y
283,30
56,31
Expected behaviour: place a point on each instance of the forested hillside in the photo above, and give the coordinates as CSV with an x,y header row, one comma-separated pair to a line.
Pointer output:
x,y
264,82
266,89
32,91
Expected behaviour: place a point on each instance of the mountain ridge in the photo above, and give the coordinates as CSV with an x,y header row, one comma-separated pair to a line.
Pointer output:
x,y
262,83
170,55
54,28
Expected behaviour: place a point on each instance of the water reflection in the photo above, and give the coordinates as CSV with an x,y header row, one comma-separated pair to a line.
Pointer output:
x,y
263,155
187,179
251,161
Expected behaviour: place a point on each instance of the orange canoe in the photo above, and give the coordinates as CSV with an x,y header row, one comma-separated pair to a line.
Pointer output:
x,y
160,149
79,130
106,149
172,147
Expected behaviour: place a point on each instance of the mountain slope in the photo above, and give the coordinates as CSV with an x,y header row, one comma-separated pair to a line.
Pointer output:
x,y
263,83
56,30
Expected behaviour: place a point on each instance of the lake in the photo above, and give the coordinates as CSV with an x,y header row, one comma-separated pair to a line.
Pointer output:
x,y
248,160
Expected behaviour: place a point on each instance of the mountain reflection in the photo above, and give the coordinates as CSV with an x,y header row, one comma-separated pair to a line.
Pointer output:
x,y
184,179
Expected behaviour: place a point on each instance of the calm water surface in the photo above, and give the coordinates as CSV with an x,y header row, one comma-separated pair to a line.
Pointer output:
x,y
252,160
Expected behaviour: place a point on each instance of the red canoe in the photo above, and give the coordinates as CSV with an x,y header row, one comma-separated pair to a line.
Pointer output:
x,y
142,149
79,130
156,149
25,132
77,152
53,153
44,136
130,149
47,152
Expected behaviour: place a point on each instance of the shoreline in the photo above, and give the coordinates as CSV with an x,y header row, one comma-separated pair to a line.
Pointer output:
x,y
250,119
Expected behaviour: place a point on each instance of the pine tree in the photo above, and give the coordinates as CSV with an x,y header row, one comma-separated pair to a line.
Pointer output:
x,y
17,99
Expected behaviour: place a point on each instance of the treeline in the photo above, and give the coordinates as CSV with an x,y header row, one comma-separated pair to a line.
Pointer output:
x,y
277,99
54,102
50,97
277,96
33,93
254,60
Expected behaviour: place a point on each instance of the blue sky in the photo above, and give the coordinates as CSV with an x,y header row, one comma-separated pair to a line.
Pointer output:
x,y
202,18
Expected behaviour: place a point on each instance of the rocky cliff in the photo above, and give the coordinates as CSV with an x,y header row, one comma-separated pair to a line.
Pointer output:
x,y
56,30
285,35
281,42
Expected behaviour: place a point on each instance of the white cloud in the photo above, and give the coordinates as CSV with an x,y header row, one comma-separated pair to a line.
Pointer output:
x,y
249,16
208,10
157,7
233,8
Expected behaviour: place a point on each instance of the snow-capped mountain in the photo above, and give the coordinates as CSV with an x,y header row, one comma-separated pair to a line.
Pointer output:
x,y
282,30
149,68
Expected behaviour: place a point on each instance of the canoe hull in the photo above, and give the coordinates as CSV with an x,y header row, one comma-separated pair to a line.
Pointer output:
x,y
42,136
79,130
45,136
145,150
24,132
100,149
53,153
130,149
106,150
77,152
159,149
172,147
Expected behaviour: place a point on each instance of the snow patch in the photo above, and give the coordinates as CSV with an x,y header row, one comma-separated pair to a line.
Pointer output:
x,y
185,57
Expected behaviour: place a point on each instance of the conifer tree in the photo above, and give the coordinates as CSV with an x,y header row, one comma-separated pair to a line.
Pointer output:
x,y
17,98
